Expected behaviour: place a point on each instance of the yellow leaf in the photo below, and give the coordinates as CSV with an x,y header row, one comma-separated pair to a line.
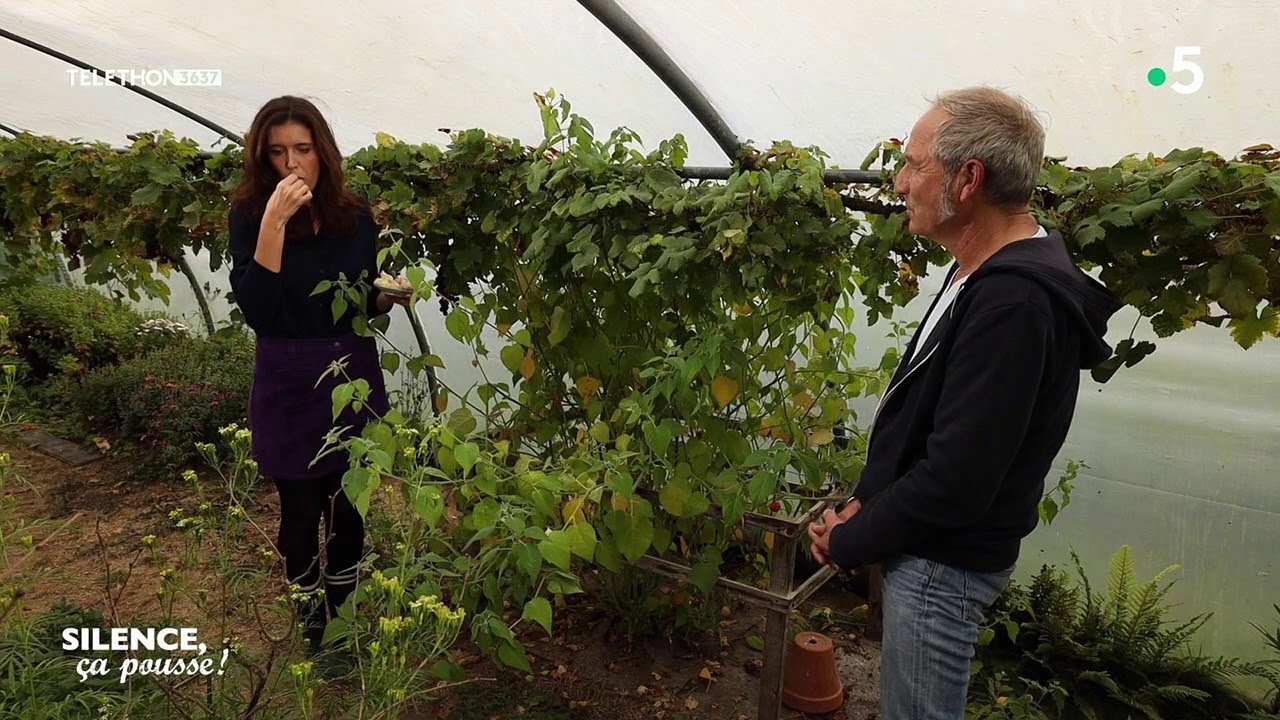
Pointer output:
x,y
618,502
803,399
691,704
705,674
821,436
572,510
743,309
768,540
442,402
587,387
503,328
1002,700
526,365
723,390
791,368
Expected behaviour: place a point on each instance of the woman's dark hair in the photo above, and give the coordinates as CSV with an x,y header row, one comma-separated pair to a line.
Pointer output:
x,y
331,203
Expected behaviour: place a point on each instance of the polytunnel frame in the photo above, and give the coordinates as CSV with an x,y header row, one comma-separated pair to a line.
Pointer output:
x,y
780,599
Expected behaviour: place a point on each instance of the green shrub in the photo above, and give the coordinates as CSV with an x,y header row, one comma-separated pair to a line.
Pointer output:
x,y
167,400
1056,649
57,330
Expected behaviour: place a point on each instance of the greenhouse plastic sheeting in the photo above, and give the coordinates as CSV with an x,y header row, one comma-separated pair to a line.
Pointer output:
x,y
1183,449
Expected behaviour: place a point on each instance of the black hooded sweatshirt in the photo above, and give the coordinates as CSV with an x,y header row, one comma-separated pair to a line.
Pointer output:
x,y
969,425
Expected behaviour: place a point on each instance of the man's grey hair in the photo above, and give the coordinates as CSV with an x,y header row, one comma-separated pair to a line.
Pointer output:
x,y
997,129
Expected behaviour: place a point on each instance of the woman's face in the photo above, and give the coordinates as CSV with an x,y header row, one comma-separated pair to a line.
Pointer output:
x,y
290,150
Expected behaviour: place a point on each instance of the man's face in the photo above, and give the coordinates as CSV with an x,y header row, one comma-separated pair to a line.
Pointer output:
x,y
921,180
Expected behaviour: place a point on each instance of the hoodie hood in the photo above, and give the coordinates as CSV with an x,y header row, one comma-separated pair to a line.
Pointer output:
x,y
1088,301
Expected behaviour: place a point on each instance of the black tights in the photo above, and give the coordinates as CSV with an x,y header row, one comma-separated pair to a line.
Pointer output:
x,y
302,504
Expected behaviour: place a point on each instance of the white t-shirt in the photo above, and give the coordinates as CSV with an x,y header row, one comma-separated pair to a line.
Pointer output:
x,y
947,297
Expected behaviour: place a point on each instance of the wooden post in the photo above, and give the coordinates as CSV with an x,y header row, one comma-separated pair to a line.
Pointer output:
x,y
781,567
875,604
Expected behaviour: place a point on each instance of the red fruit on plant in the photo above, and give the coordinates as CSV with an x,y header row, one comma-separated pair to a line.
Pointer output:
x,y
775,506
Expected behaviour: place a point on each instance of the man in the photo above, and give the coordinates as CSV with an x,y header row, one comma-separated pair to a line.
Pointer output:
x,y
979,405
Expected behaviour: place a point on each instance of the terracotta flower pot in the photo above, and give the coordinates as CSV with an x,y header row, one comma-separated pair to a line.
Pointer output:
x,y
811,683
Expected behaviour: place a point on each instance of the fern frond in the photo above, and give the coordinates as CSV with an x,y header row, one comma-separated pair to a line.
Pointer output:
x,y
1120,581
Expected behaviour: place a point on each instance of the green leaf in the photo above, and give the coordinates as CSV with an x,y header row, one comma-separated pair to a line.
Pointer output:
x,y
1273,182
528,559
1236,282
539,611
582,540
1088,233
755,642
147,194
705,575
1012,629
513,656
512,357
657,437
322,286
607,555
458,324
428,503
563,584
1182,185
762,486
679,499
633,534
1144,211
466,454
360,484
1248,331
339,307
675,496
556,549
447,670
342,397
1048,510
391,362
559,327
337,628
1139,351
537,174
1108,368
599,432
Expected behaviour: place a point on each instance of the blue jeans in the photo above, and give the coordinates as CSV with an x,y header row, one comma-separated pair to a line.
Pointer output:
x,y
931,616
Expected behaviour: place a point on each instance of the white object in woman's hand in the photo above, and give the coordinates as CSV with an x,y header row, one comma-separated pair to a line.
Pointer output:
x,y
291,193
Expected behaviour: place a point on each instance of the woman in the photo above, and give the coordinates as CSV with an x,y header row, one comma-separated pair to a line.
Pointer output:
x,y
293,223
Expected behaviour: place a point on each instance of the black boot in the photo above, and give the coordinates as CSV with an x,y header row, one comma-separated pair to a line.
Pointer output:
x,y
311,616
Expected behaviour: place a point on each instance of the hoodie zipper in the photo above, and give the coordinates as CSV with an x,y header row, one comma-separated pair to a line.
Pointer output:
x,y
871,433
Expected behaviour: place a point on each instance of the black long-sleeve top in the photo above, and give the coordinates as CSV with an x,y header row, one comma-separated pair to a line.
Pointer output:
x,y
281,304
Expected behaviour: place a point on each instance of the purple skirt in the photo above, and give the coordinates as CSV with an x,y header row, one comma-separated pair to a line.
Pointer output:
x,y
290,414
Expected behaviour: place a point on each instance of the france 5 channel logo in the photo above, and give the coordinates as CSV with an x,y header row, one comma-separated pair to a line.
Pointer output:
x,y
1157,76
